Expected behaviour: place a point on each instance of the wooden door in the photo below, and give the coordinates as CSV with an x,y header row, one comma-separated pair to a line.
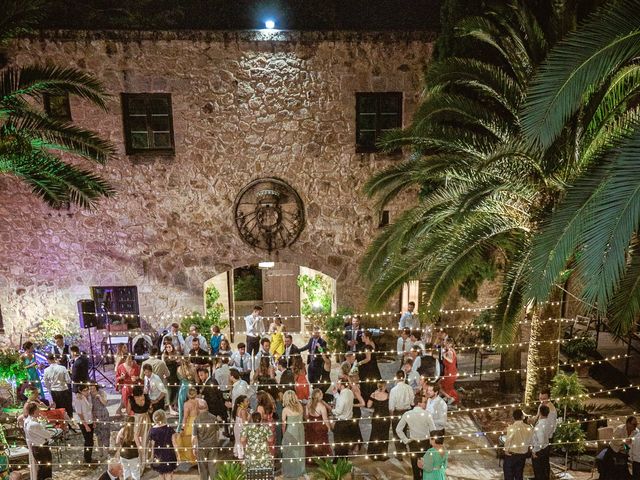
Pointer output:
x,y
281,294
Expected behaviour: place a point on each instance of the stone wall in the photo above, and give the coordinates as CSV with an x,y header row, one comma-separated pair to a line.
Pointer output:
x,y
245,105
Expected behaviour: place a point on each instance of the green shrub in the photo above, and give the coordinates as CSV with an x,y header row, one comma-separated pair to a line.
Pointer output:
x,y
570,437
11,366
327,470
247,287
214,309
567,391
580,347
230,471
47,328
319,295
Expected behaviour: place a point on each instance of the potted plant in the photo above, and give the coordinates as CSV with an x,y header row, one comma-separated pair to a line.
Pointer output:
x,y
570,437
230,471
341,470
579,349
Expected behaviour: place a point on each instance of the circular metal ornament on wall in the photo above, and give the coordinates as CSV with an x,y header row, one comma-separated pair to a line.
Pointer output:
x,y
269,214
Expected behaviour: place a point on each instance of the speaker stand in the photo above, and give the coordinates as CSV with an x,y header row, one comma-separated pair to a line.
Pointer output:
x,y
93,368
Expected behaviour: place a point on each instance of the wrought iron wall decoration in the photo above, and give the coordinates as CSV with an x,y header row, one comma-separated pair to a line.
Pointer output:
x,y
269,214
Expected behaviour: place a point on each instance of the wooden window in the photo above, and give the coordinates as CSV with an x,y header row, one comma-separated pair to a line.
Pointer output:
x,y
376,113
57,106
148,123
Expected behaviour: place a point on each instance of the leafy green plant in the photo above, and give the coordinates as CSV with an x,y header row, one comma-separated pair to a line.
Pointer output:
x,y
484,331
11,366
327,470
570,436
214,309
49,327
318,292
580,347
247,287
568,392
230,471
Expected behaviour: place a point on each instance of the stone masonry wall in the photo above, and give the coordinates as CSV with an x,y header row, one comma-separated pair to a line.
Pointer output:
x,y
245,105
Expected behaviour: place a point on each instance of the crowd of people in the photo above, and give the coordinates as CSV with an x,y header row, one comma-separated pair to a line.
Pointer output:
x,y
276,410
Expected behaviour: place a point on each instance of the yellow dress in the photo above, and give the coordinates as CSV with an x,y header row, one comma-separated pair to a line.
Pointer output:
x,y
185,447
277,341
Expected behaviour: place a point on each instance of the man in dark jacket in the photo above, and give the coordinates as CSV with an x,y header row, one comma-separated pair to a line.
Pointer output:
x,y
315,347
290,350
210,391
353,335
287,380
79,369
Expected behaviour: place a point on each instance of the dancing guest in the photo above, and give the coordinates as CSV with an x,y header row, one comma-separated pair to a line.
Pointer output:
x,y
158,365
276,330
242,361
238,387
79,368
170,358
429,368
401,398
197,355
416,340
122,350
82,407
542,433
31,366
380,422
544,397
264,377
141,407
435,460
266,408
343,411
256,436
57,379
155,388
287,379
194,334
420,425
315,346
225,349
634,456
210,392
450,373
255,329
516,447
216,338
293,465
240,416
128,445
205,441
302,388
264,352
317,427
187,377
616,456
175,338
37,436
404,344
290,350
412,378
101,417
221,374
353,335
408,319
61,350
162,439
437,407
127,374
183,439
114,470
325,376
358,404
368,369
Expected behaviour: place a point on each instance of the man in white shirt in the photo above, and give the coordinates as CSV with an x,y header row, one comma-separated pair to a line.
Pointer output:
x,y
238,387
115,471
616,457
57,380
401,398
37,437
516,446
241,361
82,406
437,407
542,432
343,412
194,333
155,388
408,319
177,340
221,374
158,366
264,352
412,378
404,344
421,426
255,329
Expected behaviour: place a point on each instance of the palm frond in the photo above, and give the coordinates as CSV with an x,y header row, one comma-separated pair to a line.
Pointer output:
x,y
509,309
624,308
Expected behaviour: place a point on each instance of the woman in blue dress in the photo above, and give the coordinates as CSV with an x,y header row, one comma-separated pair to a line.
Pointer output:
x,y
435,461
187,378
31,366
163,445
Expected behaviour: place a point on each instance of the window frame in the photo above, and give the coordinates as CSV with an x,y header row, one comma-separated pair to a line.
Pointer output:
x,y
399,97
46,102
129,148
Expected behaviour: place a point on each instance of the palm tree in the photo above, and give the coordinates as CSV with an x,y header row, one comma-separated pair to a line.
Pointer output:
x,y
31,141
593,77
483,191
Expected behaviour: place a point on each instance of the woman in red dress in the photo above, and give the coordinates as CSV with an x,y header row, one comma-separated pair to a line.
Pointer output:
x,y
316,428
127,375
450,373
300,375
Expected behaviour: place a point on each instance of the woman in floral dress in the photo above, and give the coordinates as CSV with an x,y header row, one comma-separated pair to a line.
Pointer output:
x,y
102,424
256,437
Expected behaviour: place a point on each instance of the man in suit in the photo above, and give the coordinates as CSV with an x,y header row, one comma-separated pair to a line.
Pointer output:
x,y
61,350
208,388
285,375
114,471
315,347
290,350
79,368
353,335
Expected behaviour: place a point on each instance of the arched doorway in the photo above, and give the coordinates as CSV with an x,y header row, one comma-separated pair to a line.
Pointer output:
x,y
291,290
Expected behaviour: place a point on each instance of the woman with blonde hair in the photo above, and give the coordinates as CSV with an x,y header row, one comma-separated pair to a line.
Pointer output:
x,y
293,436
190,412
317,426
187,377
277,331
163,444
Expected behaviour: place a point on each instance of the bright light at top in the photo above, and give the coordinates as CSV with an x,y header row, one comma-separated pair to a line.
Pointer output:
x,y
270,24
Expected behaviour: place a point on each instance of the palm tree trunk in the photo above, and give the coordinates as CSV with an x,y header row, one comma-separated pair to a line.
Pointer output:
x,y
511,382
543,347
